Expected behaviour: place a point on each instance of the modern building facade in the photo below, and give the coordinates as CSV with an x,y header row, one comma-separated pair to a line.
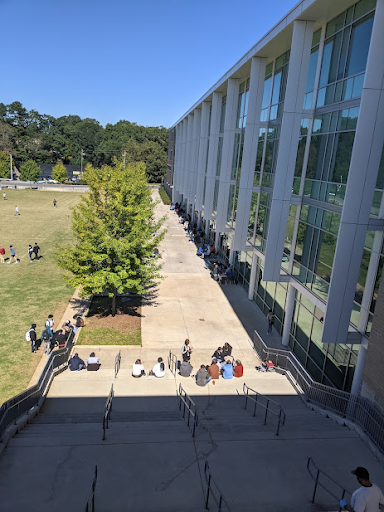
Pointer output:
x,y
281,162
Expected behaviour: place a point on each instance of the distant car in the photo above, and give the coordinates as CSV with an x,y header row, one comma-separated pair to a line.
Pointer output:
x,y
50,180
40,181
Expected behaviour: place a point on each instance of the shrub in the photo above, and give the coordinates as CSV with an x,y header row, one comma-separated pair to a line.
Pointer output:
x,y
164,196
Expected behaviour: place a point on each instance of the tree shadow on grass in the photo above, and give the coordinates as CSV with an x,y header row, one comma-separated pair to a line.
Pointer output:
x,y
102,306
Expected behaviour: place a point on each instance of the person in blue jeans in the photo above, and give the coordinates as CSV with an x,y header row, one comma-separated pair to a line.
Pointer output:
x,y
271,321
227,370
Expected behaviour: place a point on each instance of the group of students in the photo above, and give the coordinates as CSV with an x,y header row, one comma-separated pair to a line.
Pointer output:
x,y
76,364
48,337
222,364
33,253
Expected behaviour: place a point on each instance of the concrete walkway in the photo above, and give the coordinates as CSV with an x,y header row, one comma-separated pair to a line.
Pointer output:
x,y
149,461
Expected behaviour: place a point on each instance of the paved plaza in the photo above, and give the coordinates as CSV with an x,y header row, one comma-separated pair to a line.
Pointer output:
x,y
149,460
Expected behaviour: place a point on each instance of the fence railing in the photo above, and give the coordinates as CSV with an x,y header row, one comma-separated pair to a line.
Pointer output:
x,y
321,479
90,506
270,406
117,363
188,407
213,492
107,411
352,407
15,407
172,363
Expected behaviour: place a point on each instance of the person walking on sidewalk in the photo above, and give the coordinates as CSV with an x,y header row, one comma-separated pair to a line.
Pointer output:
x,y
13,255
271,321
366,498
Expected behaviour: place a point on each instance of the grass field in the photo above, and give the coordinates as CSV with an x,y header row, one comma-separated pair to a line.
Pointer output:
x,y
29,292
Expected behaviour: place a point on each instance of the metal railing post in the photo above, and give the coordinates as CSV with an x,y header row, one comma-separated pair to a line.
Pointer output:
x,y
266,412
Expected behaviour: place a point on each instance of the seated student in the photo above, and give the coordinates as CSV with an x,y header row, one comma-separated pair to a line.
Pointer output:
x,y
229,273
200,251
93,362
238,370
202,377
264,366
271,366
79,322
227,370
185,369
213,370
59,339
227,351
159,369
172,207
138,369
218,355
75,364
67,327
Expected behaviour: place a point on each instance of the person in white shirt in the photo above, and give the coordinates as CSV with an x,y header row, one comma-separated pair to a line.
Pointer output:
x,y
138,369
366,498
159,369
93,362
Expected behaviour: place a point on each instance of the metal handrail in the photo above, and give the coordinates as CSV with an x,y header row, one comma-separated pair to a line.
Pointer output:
x,y
15,407
107,411
311,464
117,363
219,499
189,409
258,400
354,408
172,363
90,506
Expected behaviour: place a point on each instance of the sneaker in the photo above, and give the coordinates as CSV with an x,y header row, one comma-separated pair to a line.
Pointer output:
x,y
16,262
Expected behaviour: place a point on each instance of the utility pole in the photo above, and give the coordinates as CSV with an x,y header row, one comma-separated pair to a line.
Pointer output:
x,y
10,161
124,155
81,165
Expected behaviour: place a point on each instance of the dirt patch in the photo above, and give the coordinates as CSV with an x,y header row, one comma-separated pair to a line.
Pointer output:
x,y
101,328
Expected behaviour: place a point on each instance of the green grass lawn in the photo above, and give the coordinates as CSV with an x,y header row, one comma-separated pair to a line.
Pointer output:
x,y
29,292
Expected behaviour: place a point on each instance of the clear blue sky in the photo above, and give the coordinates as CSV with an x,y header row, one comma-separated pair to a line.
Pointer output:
x,y
146,61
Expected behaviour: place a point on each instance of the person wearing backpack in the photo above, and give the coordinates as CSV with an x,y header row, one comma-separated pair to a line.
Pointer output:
x,y
30,335
46,338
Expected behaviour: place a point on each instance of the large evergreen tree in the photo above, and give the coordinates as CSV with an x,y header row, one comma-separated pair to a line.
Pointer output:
x,y
114,233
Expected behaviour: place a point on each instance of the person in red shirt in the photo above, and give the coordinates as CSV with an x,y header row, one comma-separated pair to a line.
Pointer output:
x,y
213,370
238,370
2,253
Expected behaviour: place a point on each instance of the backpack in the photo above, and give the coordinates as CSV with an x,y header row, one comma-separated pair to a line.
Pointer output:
x,y
45,335
28,335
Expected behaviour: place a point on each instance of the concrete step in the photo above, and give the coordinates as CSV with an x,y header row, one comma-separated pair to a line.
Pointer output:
x,y
117,416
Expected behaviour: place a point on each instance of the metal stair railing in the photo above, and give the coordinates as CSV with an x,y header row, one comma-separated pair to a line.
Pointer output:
x,y
15,407
90,506
188,408
268,404
354,408
324,481
172,363
117,363
107,411
214,492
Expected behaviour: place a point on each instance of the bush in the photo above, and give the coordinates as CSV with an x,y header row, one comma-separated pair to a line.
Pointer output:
x,y
164,196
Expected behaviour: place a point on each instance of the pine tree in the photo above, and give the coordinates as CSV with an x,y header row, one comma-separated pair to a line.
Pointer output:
x,y
114,233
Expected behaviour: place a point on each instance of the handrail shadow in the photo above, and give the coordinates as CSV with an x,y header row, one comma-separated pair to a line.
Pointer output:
x,y
90,506
319,473
214,492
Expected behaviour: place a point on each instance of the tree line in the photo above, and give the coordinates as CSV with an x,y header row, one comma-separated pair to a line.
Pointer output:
x,y
41,138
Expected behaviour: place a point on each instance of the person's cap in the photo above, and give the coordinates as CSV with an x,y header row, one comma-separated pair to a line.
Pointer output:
x,y
34,326
67,321
361,472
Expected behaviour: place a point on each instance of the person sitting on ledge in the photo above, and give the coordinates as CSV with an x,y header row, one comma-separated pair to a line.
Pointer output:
x,y
138,369
75,364
185,369
93,362
159,369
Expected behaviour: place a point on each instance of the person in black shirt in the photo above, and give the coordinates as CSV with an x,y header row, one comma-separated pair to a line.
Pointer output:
x,y
76,364
32,335
36,250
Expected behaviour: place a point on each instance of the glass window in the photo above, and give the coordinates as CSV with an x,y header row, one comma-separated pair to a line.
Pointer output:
x,y
360,39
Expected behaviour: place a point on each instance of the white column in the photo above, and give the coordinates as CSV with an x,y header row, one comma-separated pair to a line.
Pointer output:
x,y
290,304
360,188
227,154
182,155
252,278
251,138
288,144
357,376
212,155
202,155
194,158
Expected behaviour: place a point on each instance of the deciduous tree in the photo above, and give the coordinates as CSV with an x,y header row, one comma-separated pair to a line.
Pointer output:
x,y
59,172
114,234
29,171
4,165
